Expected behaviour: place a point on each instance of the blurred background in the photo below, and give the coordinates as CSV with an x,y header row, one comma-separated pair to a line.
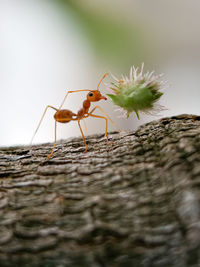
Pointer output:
x,y
48,47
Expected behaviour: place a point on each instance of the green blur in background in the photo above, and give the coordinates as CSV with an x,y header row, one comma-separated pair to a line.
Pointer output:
x,y
113,39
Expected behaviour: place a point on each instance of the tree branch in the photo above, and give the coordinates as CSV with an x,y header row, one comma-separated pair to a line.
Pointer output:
x,y
133,203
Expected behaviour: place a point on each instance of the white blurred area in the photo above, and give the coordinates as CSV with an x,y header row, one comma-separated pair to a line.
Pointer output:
x,y
42,55
41,58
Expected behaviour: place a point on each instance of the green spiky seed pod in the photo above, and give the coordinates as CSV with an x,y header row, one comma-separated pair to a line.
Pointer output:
x,y
137,93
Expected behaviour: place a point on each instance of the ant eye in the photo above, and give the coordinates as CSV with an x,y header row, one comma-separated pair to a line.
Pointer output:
x,y
90,94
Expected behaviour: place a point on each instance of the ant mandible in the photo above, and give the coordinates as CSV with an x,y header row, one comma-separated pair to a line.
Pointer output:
x,y
65,115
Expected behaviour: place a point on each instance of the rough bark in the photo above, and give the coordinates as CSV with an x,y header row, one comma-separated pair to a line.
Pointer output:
x,y
132,203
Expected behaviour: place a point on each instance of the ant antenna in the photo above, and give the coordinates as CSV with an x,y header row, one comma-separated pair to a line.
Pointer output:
x,y
101,80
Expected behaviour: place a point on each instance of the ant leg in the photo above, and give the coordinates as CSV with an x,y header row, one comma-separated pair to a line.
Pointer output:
x,y
85,126
41,121
101,117
116,127
54,143
82,90
82,135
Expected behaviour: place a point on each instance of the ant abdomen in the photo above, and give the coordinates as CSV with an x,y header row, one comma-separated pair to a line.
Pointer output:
x,y
64,115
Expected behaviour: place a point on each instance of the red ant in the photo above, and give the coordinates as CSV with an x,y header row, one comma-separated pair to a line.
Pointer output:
x,y
65,115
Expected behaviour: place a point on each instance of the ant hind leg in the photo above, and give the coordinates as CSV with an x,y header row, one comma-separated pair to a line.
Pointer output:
x,y
41,121
82,135
54,143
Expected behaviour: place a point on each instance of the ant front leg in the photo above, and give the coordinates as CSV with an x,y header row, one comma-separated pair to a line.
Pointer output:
x,y
101,117
108,117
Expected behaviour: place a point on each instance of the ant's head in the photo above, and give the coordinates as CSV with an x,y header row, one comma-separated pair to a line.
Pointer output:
x,y
95,95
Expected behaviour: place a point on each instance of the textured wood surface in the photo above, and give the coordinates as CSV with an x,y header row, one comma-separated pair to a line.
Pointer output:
x,y
132,203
